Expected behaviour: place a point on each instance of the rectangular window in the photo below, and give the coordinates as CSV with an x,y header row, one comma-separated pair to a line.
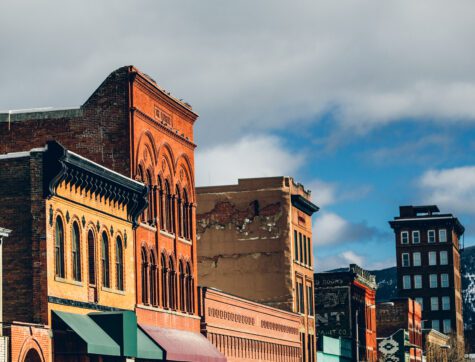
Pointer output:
x,y
417,281
304,249
301,247
296,246
434,303
404,237
442,236
444,259
406,282
447,326
309,246
301,299
405,259
431,236
445,303
416,237
310,306
421,302
444,280
433,281
416,259
432,258
436,324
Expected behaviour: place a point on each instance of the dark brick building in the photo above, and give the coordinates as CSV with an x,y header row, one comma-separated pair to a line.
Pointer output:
x,y
428,265
345,307
402,314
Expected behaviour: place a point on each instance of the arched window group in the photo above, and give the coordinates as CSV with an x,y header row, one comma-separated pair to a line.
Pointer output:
x,y
76,256
177,289
171,212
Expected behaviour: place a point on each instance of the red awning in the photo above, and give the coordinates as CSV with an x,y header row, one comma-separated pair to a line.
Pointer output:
x,y
184,345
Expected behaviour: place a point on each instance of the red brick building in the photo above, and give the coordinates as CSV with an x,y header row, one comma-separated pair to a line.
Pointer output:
x,y
402,314
134,127
345,307
247,331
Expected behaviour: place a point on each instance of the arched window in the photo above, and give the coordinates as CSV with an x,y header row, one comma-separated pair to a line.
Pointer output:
x,y
161,211
140,177
179,209
164,281
151,199
168,208
153,279
91,257
76,252
182,286
189,289
172,284
119,264
59,248
144,276
186,216
105,261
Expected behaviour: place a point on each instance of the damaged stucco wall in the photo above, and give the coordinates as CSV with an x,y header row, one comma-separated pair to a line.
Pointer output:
x,y
244,245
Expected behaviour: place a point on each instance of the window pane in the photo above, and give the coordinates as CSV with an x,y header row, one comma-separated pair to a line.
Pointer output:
x,y
433,280
417,281
436,324
432,258
416,237
76,253
434,303
296,248
446,303
59,248
404,237
416,259
405,259
406,282
431,236
444,260
444,280
447,326
442,235
421,302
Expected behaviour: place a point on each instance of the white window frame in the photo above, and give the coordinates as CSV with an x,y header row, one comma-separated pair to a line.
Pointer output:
x,y
405,280
414,233
444,252
429,232
445,303
442,279
404,235
436,281
442,232
434,306
419,279
434,254
408,260
419,260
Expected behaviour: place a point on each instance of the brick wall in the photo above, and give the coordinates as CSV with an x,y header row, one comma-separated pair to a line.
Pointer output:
x,y
30,339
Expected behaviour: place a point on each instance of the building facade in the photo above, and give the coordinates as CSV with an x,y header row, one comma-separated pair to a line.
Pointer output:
x,y
255,241
436,346
71,247
345,308
247,331
428,265
134,127
402,314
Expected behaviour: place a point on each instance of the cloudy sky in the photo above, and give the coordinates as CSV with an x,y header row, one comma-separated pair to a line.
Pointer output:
x,y
370,104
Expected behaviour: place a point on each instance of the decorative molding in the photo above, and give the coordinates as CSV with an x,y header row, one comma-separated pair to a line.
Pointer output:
x,y
60,165
304,205
86,305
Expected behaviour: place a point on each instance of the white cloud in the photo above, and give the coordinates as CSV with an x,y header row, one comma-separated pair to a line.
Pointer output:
x,y
323,193
340,260
371,62
453,189
258,156
330,228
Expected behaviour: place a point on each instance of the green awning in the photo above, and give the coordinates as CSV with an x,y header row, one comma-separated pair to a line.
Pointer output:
x,y
97,341
147,348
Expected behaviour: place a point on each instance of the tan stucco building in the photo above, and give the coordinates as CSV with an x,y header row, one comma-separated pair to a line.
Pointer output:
x,y
255,241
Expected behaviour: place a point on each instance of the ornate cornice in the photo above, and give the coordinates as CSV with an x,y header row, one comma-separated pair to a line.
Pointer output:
x,y
304,205
169,131
60,165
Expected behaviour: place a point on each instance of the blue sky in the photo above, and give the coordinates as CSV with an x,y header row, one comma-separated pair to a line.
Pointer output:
x,y
370,104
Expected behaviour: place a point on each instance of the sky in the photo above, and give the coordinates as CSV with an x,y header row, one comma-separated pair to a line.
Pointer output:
x,y
369,104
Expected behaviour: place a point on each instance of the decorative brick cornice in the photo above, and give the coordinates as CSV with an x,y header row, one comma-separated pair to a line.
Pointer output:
x,y
153,90
165,129
60,165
